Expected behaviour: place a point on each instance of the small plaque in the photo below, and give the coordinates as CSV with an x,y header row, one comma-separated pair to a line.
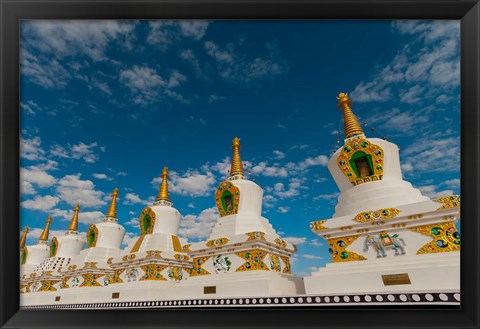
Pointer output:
x,y
57,298
210,290
115,295
394,279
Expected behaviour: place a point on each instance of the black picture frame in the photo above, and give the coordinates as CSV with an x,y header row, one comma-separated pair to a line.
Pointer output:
x,y
12,11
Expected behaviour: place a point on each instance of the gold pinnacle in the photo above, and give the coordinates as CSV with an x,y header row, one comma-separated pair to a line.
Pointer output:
x,y
46,230
74,222
23,239
237,168
352,127
163,193
112,210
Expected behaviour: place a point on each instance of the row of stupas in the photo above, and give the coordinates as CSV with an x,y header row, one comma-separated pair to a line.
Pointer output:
x,y
384,236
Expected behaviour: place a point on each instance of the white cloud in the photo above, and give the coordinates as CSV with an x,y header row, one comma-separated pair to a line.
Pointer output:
x,y
26,187
264,169
148,86
132,198
164,33
30,149
36,175
316,243
308,256
90,217
102,176
73,190
452,182
294,187
198,226
191,183
215,98
42,203
436,64
432,154
283,210
74,37
35,232
432,193
278,154
132,222
233,65
295,240
83,151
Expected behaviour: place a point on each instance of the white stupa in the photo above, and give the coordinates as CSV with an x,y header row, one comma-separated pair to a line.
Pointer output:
x,y
158,258
385,235
243,256
47,275
91,267
33,256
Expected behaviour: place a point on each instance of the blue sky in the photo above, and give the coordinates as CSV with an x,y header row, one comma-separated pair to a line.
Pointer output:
x,y
108,104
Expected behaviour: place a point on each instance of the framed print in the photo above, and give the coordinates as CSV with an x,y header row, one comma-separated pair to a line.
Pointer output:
x,y
240,163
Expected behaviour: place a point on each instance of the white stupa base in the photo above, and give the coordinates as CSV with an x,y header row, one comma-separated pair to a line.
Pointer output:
x,y
252,283
431,272
133,291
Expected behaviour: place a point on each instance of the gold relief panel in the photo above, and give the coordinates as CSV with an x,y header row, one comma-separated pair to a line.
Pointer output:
x,y
197,266
338,249
154,253
445,236
48,285
147,220
256,236
129,257
280,242
90,265
361,161
181,257
110,261
92,235
64,284
91,280
186,248
216,242
253,260
176,273
317,225
452,201
373,215
227,198
115,277
286,266
153,272
275,264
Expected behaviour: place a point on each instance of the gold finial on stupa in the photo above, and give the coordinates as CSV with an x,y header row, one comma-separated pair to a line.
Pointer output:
x,y
112,210
23,239
352,127
237,168
163,193
46,230
74,222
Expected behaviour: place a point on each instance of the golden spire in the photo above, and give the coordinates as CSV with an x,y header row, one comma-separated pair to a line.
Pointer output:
x,y
74,222
237,168
352,127
112,210
163,193
23,239
46,230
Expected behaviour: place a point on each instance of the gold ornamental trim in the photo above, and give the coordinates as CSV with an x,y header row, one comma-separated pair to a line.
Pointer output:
x,y
227,198
217,242
146,220
452,201
253,260
445,237
153,272
356,149
379,214
198,269
92,236
317,225
338,249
